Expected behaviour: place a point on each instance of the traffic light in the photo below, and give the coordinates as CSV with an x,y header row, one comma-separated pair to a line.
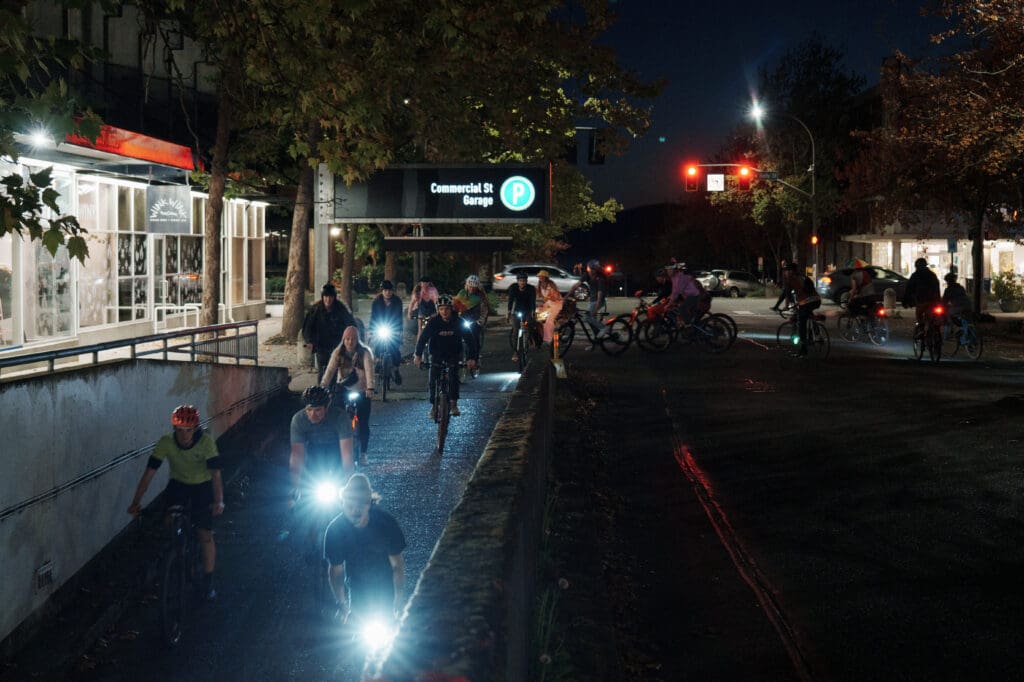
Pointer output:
x,y
743,176
814,240
692,176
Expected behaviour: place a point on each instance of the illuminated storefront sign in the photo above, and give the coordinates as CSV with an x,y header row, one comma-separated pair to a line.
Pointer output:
x,y
439,194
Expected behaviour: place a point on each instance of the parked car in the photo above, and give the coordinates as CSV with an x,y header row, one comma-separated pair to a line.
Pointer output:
x,y
506,279
709,279
835,285
735,283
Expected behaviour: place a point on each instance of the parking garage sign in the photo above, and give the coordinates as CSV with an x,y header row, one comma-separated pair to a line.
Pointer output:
x,y
492,193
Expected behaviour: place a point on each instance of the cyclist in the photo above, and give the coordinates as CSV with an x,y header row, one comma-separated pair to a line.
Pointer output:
x,y
663,286
550,303
195,482
594,279
686,292
319,432
956,300
863,297
801,289
423,305
324,324
351,369
363,546
522,298
445,335
472,305
386,313
922,292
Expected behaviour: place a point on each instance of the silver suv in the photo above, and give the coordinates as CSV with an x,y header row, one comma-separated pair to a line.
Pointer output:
x,y
506,279
736,283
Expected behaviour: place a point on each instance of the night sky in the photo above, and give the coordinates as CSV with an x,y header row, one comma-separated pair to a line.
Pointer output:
x,y
710,53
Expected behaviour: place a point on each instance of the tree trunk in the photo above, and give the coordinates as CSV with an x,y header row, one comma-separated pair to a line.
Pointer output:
x,y
391,257
977,262
297,276
215,210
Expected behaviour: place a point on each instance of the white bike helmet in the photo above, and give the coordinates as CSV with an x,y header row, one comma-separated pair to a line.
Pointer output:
x,y
472,281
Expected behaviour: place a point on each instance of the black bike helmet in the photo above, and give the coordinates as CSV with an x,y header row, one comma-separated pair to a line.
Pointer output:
x,y
314,396
444,299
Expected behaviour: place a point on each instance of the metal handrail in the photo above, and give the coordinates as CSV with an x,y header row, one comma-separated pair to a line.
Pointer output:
x,y
192,347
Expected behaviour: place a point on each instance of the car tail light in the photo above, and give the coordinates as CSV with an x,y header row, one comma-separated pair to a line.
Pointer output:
x,y
498,278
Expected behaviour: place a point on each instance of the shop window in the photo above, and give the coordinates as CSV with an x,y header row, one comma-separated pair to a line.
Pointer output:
x,y
46,284
7,291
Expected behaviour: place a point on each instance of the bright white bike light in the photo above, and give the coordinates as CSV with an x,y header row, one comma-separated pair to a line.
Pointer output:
x,y
353,396
467,324
377,634
382,333
326,492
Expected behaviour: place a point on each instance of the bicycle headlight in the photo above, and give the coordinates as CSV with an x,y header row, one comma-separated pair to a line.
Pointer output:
x,y
353,396
467,324
519,314
326,492
383,332
377,634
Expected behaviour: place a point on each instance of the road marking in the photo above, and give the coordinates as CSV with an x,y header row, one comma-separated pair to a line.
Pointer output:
x,y
745,564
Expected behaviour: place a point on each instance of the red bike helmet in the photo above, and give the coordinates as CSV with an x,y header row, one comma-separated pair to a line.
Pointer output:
x,y
185,417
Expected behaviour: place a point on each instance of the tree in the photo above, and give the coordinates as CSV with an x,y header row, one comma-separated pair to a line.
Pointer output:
x,y
953,138
34,94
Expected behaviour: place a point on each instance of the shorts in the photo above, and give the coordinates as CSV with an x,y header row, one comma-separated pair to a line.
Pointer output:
x,y
196,497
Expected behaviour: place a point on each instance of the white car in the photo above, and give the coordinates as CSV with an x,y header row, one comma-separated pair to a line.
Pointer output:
x,y
506,279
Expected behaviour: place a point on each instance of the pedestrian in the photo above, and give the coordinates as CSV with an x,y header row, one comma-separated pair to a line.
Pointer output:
x,y
325,322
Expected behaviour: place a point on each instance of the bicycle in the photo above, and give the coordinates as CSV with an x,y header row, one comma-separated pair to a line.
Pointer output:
x,y
874,327
930,337
181,569
320,503
442,401
788,334
615,342
960,332
711,332
520,337
352,408
382,337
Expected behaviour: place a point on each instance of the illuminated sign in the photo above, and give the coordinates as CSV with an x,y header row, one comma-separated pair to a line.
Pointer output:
x,y
494,193
169,209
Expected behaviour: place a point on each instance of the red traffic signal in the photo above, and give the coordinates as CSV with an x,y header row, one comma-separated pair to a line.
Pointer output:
x,y
743,176
691,177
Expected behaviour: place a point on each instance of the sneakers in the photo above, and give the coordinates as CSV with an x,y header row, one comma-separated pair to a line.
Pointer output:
x,y
455,410
433,413
362,458
398,378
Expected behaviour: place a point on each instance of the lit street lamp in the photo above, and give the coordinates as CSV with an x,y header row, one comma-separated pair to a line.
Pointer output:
x,y
757,112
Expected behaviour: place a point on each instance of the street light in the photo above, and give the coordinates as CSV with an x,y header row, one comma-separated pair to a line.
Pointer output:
x,y
757,112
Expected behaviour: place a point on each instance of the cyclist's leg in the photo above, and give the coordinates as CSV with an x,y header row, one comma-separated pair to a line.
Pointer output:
x,y
453,390
432,387
591,318
201,498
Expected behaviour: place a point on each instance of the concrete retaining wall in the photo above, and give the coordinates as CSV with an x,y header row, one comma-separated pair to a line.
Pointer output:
x,y
470,615
74,445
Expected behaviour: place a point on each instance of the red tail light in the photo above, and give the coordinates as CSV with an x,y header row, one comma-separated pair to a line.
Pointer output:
x,y
881,312
938,310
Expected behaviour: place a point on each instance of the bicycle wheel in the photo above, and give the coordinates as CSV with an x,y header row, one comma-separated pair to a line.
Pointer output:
x,y
655,335
847,327
385,380
566,334
878,333
970,339
819,344
173,592
620,335
919,344
714,334
934,342
734,330
443,416
521,347
786,336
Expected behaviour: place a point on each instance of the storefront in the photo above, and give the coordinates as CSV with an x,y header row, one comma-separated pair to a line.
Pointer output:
x,y
144,271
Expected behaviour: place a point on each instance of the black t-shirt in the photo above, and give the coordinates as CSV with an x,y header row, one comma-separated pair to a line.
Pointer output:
x,y
365,551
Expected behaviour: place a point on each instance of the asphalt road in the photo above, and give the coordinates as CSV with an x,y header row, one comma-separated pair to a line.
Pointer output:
x,y
853,519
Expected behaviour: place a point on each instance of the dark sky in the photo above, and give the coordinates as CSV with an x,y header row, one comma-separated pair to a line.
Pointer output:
x,y
710,53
